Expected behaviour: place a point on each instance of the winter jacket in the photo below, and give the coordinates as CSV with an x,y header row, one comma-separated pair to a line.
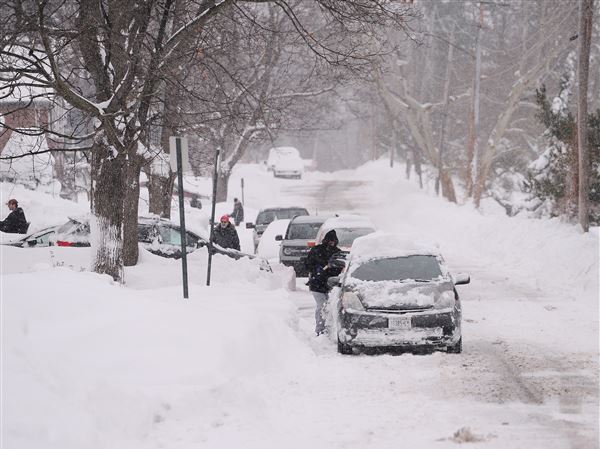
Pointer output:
x,y
238,212
15,222
317,262
226,237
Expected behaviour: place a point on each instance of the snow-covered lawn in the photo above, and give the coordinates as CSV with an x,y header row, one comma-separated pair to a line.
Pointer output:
x,y
90,364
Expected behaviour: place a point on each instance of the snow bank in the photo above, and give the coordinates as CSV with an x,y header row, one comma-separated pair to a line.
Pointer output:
x,y
88,363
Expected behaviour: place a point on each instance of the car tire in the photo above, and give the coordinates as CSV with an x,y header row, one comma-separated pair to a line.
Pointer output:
x,y
344,348
456,348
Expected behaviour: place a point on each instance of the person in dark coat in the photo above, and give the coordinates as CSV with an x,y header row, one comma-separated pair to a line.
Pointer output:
x,y
317,263
15,222
225,234
195,202
238,212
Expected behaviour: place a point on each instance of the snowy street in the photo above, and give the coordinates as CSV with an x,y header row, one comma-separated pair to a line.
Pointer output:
x,y
98,365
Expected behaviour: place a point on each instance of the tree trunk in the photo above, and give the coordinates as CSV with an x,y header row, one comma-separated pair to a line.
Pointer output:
x,y
586,9
160,194
418,170
107,220
222,186
130,217
447,186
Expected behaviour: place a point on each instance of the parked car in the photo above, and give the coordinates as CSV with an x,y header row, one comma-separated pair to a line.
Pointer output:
x,y
294,243
394,293
347,227
159,236
266,216
285,162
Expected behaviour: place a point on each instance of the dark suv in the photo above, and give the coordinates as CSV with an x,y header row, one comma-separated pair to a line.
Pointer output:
x,y
266,216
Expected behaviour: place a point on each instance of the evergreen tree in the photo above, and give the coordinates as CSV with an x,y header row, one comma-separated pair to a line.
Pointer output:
x,y
549,175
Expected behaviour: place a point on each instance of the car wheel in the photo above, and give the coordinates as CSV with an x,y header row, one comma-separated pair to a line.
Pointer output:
x,y
456,348
344,348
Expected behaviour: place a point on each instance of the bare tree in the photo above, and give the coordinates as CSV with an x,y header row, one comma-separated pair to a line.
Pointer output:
x,y
110,60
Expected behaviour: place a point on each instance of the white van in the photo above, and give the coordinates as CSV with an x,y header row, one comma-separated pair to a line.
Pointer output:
x,y
285,162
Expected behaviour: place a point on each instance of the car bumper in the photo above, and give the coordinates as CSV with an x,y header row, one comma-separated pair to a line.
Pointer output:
x,y
432,328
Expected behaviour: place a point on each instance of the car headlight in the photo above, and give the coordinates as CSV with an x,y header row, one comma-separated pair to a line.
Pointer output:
x,y
350,300
287,251
446,299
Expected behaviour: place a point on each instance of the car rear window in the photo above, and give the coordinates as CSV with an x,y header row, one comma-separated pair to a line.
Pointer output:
x,y
346,236
419,267
73,231
267,216
302,231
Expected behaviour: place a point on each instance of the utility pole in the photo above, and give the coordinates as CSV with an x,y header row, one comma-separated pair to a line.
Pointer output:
x,y
586,9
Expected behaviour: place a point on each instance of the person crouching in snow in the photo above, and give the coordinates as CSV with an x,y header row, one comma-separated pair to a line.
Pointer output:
x,y
317,263
225,234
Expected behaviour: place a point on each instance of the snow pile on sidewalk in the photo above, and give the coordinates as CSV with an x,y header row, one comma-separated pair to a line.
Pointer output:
x,y
88,363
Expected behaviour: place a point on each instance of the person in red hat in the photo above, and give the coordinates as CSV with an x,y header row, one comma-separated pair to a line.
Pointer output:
x,y
15,222
225,234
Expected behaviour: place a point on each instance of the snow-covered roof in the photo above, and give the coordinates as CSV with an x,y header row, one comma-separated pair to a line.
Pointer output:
x,y
385,244
348,220
310,219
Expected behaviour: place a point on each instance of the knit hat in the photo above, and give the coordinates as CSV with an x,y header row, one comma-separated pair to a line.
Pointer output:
x,y
225,217
331,236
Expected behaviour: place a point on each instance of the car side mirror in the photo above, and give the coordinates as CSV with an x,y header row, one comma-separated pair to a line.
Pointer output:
x,y
461,279
279,238
334,281
249,225
32,242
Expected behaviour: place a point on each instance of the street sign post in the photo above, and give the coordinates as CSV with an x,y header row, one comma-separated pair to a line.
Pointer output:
x,y
212,216
243,202
175,146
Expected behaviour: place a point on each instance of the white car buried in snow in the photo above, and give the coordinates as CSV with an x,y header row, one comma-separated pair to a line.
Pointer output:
x,y
394,293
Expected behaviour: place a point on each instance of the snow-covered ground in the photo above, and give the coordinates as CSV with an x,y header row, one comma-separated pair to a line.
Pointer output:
x,y
90,364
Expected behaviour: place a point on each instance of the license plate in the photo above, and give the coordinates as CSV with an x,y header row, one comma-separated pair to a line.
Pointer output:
x,y
399,322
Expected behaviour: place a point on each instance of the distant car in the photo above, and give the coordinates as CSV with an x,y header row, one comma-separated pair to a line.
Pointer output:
x,y
159,236
294,243
266,216
285,162
394,293
347,228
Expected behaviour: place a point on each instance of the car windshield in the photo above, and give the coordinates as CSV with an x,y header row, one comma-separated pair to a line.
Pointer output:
x,y
421,267
346,236
266,217
303,231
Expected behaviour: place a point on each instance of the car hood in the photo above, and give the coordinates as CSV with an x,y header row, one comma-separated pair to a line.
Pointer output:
x,y
395,295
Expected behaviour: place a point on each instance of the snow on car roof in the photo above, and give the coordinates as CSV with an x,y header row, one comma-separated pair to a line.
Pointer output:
x,y
310,219
349,220
385,244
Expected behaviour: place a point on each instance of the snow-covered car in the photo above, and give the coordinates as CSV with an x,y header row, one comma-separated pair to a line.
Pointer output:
x,y
294,242
266,216
268,247
285,162
159,236
347,228
395,293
